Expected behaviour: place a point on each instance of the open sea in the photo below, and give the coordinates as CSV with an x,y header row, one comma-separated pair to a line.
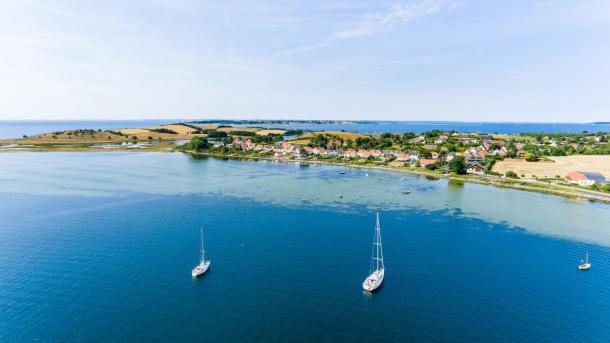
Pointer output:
x,y
98,247
18,128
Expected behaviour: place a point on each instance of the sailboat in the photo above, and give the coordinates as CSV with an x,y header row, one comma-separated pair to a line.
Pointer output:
x,y
376,271
203,265
586,265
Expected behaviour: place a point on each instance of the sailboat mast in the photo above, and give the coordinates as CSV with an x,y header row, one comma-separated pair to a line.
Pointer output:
x,y
202,248
380,255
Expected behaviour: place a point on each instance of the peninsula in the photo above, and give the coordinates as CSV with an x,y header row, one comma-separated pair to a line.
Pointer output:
x,y
572,165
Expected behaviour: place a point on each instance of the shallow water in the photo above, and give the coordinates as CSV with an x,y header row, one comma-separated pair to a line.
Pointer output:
x,y
99,247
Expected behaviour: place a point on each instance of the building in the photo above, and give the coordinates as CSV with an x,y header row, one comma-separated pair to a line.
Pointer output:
x,y
426,162
475,168
403,157
585,178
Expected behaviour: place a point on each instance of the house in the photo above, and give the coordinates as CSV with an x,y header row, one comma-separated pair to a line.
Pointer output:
x,y
426,162
485,138
585,178
308,150
419,139
350,153
288,148
475,168
413,155
441,139
403,157
521,153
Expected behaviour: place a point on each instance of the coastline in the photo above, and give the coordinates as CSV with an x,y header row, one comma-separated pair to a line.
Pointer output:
x,y
539,187
524,185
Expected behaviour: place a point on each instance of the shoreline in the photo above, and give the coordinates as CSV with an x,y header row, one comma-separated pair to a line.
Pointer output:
x,y
539,187
517,184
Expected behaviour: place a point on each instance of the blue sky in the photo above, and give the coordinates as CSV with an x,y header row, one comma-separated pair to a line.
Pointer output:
x,y
468,60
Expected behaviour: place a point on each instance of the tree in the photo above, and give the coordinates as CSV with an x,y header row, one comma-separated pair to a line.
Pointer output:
x,y
216,134
197,144
458,165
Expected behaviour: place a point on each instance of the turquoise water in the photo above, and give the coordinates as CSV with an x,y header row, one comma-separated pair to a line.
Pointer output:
x,y
99,247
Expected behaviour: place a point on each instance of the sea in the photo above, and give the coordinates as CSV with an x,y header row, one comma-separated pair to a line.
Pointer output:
x,y
99,247
18,128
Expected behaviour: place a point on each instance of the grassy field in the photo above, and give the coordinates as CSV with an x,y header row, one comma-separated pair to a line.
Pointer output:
x,y
559,165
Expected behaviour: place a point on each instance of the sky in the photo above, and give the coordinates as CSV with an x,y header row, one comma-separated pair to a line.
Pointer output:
x,y
462,60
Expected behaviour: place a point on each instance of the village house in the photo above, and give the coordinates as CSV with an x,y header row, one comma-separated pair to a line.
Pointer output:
x,y
426,162
403,157
419,139
350,153
585,178
441,139
475,168
307,150
413,155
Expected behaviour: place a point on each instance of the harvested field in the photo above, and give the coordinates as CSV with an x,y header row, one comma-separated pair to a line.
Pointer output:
x,y
560,165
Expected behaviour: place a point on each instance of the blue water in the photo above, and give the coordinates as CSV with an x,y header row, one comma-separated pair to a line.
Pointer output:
x,y
16,129
99,247
421,126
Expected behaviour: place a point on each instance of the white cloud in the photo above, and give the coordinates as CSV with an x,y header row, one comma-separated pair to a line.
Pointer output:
x,y
372,23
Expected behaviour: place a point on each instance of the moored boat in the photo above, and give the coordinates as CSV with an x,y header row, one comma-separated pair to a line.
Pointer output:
x,y
377,269
585,265
203,265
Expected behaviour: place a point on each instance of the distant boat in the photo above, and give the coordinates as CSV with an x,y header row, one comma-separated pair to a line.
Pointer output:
x,y
340,196
376,271
586,265
203,265
342,173
402,179
406,192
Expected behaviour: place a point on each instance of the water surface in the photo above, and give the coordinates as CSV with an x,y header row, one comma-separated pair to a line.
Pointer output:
x,y
99,247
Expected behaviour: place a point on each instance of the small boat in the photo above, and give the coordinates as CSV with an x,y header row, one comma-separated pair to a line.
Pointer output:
x,y
203,265
367,174
402,179
406,192
376,271
340,196
342,173
585,265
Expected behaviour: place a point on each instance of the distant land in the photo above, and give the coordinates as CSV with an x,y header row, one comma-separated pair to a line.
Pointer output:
x,y
570,164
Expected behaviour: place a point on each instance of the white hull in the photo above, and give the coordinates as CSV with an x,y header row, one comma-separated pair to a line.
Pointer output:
x,y
584,266
200,269
373,281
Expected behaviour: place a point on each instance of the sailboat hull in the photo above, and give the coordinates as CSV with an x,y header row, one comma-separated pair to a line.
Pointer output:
x,y
373,281
200,269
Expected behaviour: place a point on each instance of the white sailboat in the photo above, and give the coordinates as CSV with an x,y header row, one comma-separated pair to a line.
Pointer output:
x,y
377,270
203,265
586,265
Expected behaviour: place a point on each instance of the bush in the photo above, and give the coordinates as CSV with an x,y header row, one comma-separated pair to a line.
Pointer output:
x,y
531,157
512,174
